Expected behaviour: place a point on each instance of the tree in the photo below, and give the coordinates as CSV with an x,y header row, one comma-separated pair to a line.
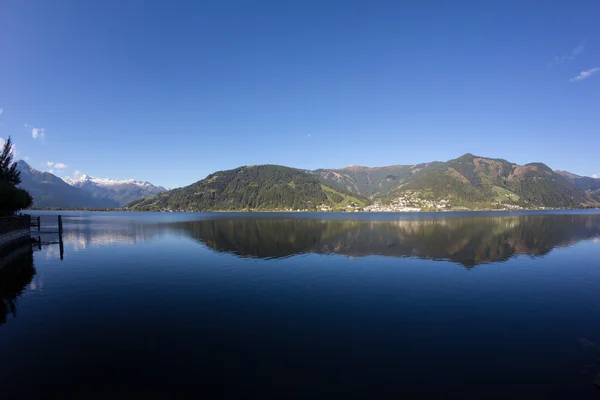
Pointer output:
x,y
8,169
12,198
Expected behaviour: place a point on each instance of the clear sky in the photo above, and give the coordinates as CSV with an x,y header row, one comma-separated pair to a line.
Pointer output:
x,y
170,91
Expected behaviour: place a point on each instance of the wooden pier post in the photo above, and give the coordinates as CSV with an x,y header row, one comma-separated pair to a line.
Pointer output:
x,y
60,240
38,223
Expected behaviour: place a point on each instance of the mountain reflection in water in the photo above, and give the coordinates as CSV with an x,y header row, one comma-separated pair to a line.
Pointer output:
x,y
466,240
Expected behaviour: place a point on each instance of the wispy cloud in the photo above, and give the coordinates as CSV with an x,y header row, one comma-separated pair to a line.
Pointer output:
x,y
76,173
54,165
596,176
559,60
585,74
36,133
1,111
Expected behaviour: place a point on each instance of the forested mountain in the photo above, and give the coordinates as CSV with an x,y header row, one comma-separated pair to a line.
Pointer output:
x,y
471,180
260,187
466,182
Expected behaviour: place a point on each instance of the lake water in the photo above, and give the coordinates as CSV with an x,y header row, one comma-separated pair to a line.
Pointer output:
x,y
306,306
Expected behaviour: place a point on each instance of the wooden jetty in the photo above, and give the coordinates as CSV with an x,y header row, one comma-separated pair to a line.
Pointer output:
x,y
17,229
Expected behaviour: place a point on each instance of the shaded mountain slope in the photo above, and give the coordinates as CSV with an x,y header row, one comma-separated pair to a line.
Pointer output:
x,y
261,187
48,190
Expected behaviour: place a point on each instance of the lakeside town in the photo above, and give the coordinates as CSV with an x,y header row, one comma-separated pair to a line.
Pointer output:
x,y
407,202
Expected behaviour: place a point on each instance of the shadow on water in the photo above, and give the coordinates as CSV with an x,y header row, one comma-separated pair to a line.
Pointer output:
x,y
468,241
16,272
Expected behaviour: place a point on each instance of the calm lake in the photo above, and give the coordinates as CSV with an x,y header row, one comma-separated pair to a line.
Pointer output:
x,y
464,305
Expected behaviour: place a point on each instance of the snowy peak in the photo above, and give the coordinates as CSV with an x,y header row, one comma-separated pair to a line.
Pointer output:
x,y
49,190
108,183
123,191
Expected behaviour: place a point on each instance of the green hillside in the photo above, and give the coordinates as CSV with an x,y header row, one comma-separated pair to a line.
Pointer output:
x,y
365,181
478,182
262,187
469,181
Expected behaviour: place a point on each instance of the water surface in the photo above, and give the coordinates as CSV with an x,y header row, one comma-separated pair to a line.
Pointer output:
x,y
471,305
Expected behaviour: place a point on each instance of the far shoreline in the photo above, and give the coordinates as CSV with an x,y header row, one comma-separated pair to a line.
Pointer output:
x,y
308,211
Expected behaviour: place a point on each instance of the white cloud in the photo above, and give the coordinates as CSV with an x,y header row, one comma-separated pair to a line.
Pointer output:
x,y
585,74
36,133
596,176
51,171
559,60
57,165
1,111
76,173
26,158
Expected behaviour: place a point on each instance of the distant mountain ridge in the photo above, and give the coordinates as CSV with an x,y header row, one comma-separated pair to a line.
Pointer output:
x,y
122,192
50,191
585,183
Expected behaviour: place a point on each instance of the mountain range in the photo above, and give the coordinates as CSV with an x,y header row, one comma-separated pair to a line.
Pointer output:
x,y
467,182
122,192
50,191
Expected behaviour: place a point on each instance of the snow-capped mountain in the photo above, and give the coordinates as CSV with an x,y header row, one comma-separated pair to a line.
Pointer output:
x,y
49,190
106,182
122,192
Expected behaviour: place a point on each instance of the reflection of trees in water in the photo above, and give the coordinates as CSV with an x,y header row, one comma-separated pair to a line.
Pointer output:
x,y
16,272
468,240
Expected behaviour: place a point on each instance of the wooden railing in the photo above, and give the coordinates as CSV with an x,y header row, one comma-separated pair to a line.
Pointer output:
x,y
16,223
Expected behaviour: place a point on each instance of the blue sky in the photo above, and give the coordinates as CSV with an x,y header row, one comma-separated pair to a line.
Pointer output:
x,y
172,91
